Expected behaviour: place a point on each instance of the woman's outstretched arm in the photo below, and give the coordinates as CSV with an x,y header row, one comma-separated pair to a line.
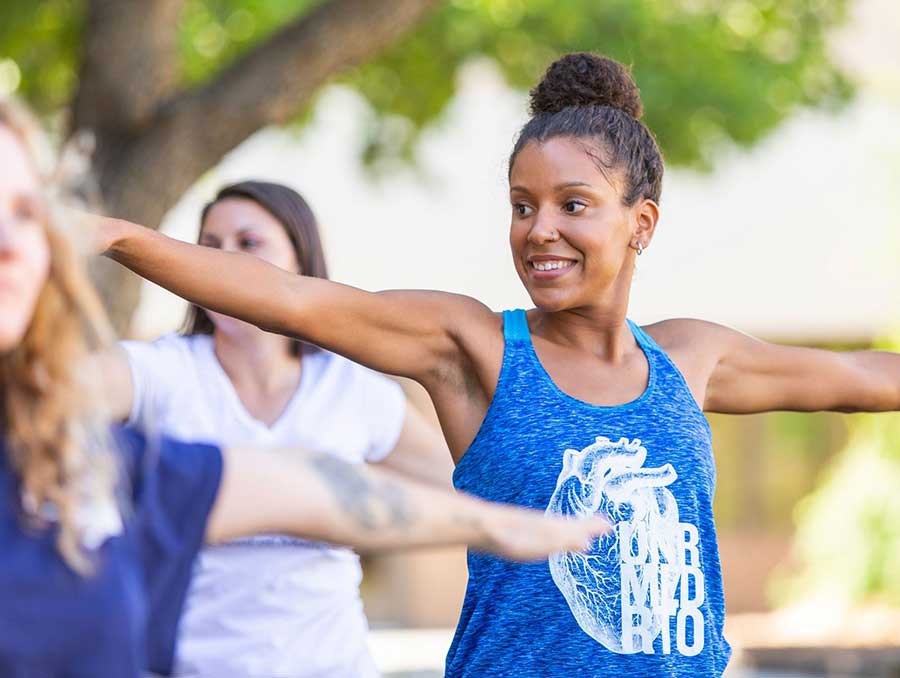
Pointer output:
x,y
746,375
408,333
320,497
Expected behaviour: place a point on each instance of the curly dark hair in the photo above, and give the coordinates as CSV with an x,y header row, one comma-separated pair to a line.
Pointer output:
x,y
588,96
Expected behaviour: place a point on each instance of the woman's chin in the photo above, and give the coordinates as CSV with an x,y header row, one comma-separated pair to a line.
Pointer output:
x,y
15,317
232,326
550,301
10,336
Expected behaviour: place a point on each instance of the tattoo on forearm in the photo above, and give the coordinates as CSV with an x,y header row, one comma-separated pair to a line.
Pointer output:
x,y
372,504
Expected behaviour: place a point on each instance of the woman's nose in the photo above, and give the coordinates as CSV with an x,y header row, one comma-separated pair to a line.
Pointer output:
x,y
6,235
543,231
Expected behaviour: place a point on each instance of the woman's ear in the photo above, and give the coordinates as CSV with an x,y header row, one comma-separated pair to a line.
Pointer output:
x,y
646,214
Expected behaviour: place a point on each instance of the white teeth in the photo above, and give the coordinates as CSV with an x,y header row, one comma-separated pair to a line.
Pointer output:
x,y
550,265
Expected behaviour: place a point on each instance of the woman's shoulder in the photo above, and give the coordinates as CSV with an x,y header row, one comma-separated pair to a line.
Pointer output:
x,y
686,334
170,353
326,366
350,388
690,342
694,346
169,345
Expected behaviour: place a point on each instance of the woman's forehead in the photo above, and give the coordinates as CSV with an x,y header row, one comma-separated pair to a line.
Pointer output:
x,y
235,213
17,172
558,160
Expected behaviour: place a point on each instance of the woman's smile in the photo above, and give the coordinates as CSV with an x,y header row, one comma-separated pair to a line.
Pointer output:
x,y
549,267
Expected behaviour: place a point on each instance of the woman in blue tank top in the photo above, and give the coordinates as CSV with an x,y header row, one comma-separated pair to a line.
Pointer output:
x,y
568,407
644,601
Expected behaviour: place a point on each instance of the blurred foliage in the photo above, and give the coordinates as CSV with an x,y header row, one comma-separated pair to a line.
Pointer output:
x,y
709,70
848,529
43,39
766,463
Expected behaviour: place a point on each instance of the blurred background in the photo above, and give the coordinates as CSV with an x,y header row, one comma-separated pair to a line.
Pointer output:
x,y
780,123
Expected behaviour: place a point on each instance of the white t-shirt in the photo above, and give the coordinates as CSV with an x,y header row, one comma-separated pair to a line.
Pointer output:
x,y
271,606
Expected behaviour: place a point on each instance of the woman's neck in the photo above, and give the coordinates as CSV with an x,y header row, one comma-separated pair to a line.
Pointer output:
x,y
600,328
257,360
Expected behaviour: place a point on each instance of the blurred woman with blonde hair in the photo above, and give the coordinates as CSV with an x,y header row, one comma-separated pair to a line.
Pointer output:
x,y
99,527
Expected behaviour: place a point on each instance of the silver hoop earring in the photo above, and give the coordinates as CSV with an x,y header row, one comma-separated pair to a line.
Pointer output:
x,y
640,248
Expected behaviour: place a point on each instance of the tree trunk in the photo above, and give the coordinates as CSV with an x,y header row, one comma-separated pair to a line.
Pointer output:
x,y
151,148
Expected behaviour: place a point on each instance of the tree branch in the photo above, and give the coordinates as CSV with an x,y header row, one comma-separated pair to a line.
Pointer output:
x,y
129,64
194,130
265,86
153,145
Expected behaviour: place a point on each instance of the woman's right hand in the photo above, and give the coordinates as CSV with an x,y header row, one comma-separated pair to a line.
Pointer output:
x,y
101,232
105,231
528,535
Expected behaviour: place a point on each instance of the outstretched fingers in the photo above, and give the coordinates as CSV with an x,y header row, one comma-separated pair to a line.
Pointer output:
x,y
531,535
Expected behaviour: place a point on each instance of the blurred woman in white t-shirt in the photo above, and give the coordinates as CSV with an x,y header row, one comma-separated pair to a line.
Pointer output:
x,y
271,606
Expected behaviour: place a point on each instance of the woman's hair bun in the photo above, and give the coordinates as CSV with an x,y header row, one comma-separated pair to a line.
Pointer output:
x,y
585,79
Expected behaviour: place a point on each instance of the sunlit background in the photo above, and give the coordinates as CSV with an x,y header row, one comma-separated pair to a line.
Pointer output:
x,y
781,209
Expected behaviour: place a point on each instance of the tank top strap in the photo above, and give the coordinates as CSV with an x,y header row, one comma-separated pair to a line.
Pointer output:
x,y
643,339
659,361
669,375
515,326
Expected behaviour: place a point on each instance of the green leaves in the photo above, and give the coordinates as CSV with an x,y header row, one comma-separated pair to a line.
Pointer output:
x,y
213,32
43,40
709,70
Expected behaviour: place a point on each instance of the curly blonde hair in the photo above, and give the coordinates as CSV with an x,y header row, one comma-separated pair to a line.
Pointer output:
x,y
52,420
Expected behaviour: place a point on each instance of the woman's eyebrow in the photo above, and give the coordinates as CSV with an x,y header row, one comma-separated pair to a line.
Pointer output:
x,y
572,184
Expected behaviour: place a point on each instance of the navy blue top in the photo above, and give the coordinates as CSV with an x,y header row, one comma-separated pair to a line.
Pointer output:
x,y
646,601
121,620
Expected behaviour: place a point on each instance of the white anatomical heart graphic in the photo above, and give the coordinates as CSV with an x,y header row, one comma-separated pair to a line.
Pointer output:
x,y
624,591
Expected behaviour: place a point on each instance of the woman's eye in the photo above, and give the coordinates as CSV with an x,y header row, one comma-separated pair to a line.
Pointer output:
x,y
24,214
249,243
573,207
26,211
522,209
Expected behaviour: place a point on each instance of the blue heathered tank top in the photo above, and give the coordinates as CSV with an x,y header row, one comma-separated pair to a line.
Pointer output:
x,y
646,601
